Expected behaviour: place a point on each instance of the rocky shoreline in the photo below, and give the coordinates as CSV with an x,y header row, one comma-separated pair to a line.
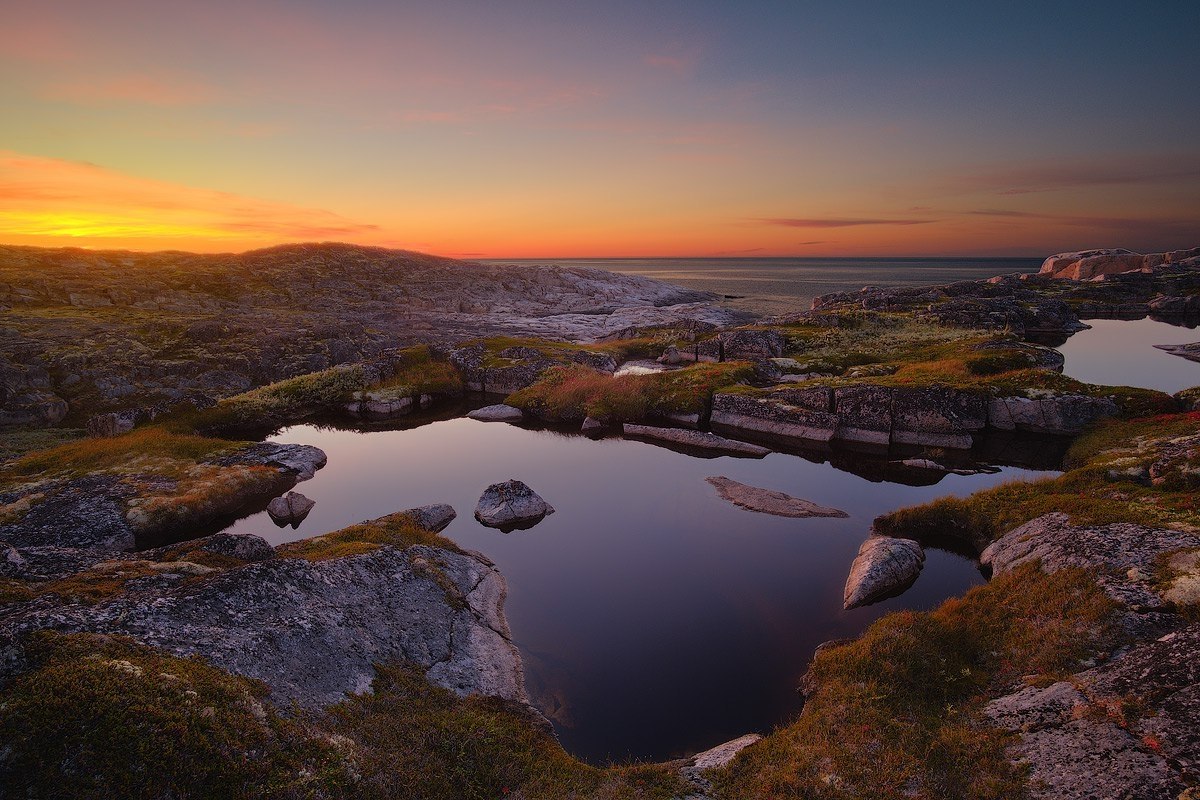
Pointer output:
x,y
928,368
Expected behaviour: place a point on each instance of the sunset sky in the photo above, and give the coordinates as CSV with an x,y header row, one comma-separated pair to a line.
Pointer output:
x,y
524,129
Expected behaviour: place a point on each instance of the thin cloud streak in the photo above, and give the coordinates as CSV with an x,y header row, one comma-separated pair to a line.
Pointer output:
x,y
793,222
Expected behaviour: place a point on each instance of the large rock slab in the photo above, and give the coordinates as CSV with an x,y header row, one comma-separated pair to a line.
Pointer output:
x,y
769,501
1189,351
800,415
312,630
1126,556
936,417
696,440
1079,742
883,568
1065,415
1087,264
511,505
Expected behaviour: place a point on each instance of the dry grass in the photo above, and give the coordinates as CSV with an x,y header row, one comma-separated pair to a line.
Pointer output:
x,y
99,716
363,538
896,713
1085,492
575,392
422,742
154,448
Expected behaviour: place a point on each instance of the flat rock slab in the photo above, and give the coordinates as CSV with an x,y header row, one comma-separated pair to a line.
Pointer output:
x,y
497,413
769,501
883,568
511,505
699,440
1189,351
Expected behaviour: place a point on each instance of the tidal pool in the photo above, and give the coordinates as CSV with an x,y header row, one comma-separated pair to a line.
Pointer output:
x,y
654,618
1118,352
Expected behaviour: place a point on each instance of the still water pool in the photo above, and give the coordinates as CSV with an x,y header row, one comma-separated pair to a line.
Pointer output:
x,y
654,618
1116,352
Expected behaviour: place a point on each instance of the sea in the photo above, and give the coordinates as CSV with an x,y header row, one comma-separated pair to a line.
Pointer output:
x,y
784,285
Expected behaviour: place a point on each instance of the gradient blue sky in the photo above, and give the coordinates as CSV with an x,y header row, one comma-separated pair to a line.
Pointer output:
x,y
572,129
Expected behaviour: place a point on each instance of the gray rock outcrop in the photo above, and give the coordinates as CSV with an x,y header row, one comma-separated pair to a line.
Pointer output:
x,y
312,630
1189,351
695,440
769,501
1079,743
511,505
883,568
884,415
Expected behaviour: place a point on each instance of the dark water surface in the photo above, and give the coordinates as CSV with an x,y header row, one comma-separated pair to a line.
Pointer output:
x,y
655,619
1118,352
782,285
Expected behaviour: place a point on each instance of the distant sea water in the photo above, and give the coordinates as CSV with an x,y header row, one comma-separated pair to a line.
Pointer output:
x,y
783,285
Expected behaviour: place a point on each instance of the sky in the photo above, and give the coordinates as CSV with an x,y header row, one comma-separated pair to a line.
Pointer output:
x,y
576,129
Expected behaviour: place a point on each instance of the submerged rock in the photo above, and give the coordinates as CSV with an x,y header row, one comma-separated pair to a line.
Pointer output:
x,y
511,505
769,501
497,413
697,440
883,567
291,509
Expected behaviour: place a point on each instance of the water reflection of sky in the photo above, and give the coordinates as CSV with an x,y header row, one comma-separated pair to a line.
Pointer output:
x,y
655,618
1122,353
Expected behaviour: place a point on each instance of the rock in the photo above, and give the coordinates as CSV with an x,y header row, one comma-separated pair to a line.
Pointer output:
x,y
670,356
511,505
302,460
769,501
800,415
936,417
1189,351
883,568
698,440
497,413
313,631
242,546
1078,741
714,758
1088,264
750,345
1066,414
291,509
1115,550
433,517
118,422
591,425
1165,305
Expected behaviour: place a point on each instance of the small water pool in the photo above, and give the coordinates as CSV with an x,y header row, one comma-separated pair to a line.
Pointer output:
x,y
1117,352
654,618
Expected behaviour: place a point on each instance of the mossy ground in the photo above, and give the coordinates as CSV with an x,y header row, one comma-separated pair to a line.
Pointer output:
x,y
103,716
396,531
99,716
896,713
1086,491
